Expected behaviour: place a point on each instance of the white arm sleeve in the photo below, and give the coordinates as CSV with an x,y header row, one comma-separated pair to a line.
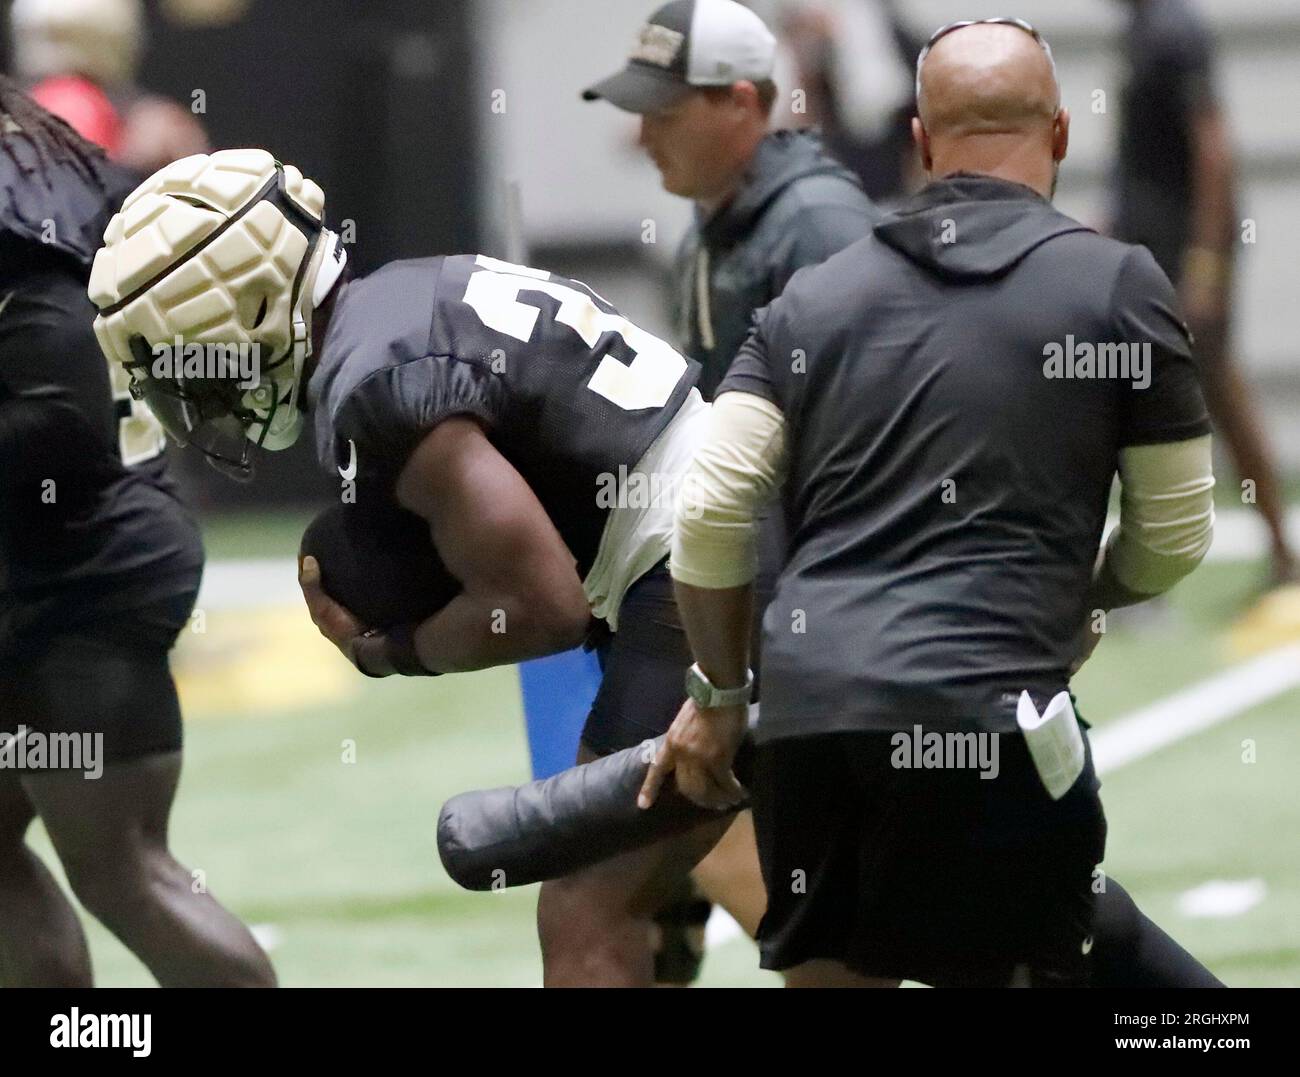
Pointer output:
x,y
1166,518
738,466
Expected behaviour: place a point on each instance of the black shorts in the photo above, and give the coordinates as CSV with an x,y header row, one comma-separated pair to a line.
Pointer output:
x,y
108,677
643,664
643,668
938,876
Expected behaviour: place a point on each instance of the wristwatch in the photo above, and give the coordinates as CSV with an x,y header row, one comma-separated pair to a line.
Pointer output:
x,y
707,695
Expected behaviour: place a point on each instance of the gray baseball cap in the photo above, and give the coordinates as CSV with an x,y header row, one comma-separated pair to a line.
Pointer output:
x,y
688,44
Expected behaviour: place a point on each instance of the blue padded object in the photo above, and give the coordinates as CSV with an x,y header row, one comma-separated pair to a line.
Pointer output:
x,y
558,692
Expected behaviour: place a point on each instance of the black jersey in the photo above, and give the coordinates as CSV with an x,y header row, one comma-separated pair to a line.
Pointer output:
x,y
568,390
89,521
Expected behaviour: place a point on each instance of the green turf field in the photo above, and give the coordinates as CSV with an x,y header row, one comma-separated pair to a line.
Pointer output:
x,y
337,858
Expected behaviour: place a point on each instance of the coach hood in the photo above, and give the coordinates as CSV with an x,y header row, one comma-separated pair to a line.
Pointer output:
x,y
782,159
967,227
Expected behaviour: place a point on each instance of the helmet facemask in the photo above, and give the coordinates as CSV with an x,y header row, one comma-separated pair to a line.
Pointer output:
x,y
220,417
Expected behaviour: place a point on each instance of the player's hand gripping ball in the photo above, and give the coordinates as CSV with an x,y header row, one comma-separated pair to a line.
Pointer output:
x,y
372,568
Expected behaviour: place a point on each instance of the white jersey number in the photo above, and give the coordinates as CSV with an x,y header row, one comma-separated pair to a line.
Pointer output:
x,y
646,382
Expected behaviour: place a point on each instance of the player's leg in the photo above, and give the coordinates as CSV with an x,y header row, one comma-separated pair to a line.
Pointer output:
x,y
111,682
598,926
729,875
1235,416
111,836
41,941
681,925
1129,950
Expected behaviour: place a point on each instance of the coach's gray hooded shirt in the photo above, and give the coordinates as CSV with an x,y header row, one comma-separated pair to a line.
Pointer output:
x,y
796,206
947,480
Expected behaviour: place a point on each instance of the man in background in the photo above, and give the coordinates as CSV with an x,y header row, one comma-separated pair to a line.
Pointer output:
x,y
1176,194
100,563
79,59
854,59
767,203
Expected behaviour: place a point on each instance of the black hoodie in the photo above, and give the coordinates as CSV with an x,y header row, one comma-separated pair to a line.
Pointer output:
x,y
965,228
795,207
947,482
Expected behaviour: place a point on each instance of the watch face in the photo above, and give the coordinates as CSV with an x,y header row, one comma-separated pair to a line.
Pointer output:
x,y
698,688
705,695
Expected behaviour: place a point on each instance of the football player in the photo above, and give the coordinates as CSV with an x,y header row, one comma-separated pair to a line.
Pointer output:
x,y
99,567
535,429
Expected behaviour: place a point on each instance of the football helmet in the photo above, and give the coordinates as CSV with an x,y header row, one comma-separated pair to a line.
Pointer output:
x,y
217,251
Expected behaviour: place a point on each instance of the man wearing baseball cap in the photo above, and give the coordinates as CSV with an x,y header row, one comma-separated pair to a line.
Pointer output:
x,y
688,44
767,204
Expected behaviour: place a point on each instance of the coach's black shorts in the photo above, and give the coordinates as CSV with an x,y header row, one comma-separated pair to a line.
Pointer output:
x,y
110,677
938,876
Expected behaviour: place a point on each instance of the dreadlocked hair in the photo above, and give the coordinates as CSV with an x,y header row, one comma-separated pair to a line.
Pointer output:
x,y
51,140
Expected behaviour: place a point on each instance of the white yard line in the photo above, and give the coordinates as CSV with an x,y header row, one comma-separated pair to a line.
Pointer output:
x,y
1221,899
1195,708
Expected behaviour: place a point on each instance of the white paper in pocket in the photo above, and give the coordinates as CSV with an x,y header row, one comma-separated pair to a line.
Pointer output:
x,y
1055,741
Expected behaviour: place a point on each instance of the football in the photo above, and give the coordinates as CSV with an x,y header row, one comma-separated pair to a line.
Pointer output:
x,y
378,561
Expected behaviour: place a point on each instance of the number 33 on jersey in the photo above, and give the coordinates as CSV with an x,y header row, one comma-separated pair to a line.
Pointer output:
x,y
567,389
645,380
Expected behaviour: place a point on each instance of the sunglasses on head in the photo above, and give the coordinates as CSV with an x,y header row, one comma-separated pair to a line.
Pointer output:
x,y
961,24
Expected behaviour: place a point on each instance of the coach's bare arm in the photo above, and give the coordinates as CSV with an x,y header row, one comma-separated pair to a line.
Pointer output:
x,y
521,597
740,465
